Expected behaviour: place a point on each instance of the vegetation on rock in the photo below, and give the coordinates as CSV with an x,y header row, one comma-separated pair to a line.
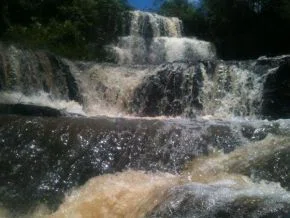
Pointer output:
x,y
72,28
240,29
80,29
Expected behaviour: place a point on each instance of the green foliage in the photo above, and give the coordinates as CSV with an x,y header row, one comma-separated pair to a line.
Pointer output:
x,y
80,28
239,28
249,28
73,28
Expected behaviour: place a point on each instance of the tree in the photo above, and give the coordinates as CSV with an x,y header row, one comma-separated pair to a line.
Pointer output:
x,y
74,28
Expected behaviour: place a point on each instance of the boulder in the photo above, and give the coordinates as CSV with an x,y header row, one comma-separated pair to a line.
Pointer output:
x,y
276,93
33,110
172,91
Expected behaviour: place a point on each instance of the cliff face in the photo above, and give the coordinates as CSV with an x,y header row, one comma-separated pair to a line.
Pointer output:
x,y
276,92
29,72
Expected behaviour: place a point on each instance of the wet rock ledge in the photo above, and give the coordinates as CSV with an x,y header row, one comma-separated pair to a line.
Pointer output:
x,y
33,110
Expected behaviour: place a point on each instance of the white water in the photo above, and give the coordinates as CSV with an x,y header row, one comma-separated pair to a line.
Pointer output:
x,y
142,22
108,89
132,49
232,92
155,39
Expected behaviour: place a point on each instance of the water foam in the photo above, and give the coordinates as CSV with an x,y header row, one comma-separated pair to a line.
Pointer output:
x,y
108,89
41,99
232,92
155,39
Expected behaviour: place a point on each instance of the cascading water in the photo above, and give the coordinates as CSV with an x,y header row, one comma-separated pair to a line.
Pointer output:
x,y
147,24
232,91
154,39
186,138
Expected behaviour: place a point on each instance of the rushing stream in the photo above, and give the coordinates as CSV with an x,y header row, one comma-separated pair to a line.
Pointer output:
x,y
167,131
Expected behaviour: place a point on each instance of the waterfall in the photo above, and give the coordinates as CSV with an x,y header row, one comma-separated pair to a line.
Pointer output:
x,y
189,82
154,39
221,89
167,131
232,90
29,72
144,24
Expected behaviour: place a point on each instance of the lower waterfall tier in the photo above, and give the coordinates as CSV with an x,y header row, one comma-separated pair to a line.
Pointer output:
x,y
222,89
220,165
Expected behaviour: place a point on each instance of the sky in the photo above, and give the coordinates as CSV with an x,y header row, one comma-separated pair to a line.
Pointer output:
x,y
141,4
147,4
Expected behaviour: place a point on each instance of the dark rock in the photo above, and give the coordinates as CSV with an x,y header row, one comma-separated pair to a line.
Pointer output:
x,y
172,91
30,72
32,110
63,77
271,62
222,136
248,131
275,168
255,134
276,93
2,72
29,110
175,88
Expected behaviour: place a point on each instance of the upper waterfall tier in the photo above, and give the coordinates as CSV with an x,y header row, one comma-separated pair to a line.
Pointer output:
x,y
137,50
147,24
153,39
